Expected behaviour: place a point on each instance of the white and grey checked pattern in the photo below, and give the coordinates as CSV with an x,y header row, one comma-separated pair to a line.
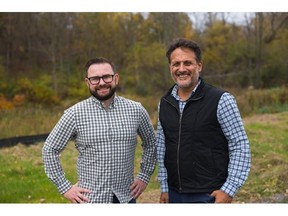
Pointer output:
x,y
106,141
239,150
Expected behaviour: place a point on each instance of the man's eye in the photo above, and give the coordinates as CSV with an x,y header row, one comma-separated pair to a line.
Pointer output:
x,y
187,63
94,78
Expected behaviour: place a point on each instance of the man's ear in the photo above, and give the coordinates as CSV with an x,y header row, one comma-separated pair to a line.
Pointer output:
x,y
199,69
87,82
116,77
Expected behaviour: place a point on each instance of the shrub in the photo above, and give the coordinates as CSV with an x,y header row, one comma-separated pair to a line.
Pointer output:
x,y
37,91
5,104
263,100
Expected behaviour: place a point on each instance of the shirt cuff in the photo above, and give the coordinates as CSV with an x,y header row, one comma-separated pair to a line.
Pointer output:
x,y
164,187
64,187
143,177
229,189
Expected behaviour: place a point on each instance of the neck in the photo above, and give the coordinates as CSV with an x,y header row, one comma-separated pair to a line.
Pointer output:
x,y
107,102
184,93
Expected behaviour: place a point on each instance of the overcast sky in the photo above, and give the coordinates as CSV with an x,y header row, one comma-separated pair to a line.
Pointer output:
x,y
144,5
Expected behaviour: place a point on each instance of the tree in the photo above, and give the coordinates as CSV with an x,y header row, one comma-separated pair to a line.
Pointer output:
x,y
222,53
165,27
267,27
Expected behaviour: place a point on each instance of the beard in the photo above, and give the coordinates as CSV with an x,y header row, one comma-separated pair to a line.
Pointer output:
x,y
103,97
188,79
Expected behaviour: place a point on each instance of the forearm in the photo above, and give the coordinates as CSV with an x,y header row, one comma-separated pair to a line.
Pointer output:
x,y
54,170
162,172
238,169
238,144
148,161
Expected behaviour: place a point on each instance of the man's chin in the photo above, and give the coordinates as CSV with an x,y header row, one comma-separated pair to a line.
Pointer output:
x,y
182,84
103,97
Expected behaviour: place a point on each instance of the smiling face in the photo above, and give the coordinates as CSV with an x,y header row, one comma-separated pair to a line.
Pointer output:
x,y
184,68
102,91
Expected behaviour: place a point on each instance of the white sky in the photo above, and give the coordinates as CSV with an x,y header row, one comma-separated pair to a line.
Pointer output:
x,y
144,5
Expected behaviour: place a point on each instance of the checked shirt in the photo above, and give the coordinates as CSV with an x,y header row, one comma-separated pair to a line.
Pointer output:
x,y
106,140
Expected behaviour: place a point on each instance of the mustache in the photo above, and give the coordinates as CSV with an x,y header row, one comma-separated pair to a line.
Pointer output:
x,y
102,86
183,73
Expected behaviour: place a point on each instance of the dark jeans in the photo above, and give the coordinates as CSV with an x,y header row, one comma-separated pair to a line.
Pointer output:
x,y
115,200
176,197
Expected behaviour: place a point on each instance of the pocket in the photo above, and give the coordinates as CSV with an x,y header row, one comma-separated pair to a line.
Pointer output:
x,y
210,199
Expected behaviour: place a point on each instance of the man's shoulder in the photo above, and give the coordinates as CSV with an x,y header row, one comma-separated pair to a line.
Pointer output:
x,y
79,104
128,102
214,89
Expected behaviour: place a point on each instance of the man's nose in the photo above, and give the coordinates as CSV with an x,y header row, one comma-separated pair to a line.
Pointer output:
x,y
182,67
101,81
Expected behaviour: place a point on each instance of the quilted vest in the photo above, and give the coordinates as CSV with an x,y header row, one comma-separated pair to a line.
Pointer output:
x,y
196,156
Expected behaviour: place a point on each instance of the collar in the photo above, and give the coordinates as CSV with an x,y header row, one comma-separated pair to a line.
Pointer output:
x,y
174,91
100,104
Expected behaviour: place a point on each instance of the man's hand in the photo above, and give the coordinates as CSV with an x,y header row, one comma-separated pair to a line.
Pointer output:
x,y
221,197
75,194
137,188
164,198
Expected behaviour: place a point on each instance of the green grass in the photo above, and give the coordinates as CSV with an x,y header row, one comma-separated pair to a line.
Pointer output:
x,y
23,179
22,176
268,179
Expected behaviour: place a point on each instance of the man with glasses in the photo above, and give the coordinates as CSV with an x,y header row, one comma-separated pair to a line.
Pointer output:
x,y
105,127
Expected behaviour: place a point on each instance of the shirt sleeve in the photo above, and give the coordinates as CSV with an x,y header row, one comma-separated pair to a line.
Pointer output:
x,y
54,144
147,135
238,144
160,143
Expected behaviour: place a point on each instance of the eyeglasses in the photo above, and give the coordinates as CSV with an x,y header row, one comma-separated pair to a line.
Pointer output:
x,y
95,80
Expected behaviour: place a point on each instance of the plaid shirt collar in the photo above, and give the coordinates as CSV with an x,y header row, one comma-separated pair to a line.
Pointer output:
x,y
100,104
174,91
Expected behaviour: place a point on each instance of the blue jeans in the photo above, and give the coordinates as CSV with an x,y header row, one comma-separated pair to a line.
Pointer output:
x,y
115,200
176,197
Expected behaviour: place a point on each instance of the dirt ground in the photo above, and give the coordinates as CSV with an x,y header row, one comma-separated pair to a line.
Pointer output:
x,y
151,196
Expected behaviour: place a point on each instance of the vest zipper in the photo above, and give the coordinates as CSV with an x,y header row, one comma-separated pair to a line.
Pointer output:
x,y
178,146
178,152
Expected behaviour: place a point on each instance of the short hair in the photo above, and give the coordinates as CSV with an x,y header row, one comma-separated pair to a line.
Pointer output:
x,y
100,60
184,43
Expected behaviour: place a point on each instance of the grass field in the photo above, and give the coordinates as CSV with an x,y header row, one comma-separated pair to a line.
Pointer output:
x,y
22,178
268,180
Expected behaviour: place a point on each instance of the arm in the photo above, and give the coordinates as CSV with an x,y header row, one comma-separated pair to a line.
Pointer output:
x,y
238,145
162,172
148,161
54,144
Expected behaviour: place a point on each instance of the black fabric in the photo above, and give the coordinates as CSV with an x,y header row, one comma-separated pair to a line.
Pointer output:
x,y
196,155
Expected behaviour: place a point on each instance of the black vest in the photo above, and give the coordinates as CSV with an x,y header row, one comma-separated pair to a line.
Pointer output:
x,y
196,156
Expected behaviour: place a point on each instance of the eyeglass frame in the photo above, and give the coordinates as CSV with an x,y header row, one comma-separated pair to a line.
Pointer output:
x,y
101,77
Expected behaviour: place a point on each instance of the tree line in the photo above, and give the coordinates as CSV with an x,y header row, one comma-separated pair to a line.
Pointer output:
x,y
42,55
